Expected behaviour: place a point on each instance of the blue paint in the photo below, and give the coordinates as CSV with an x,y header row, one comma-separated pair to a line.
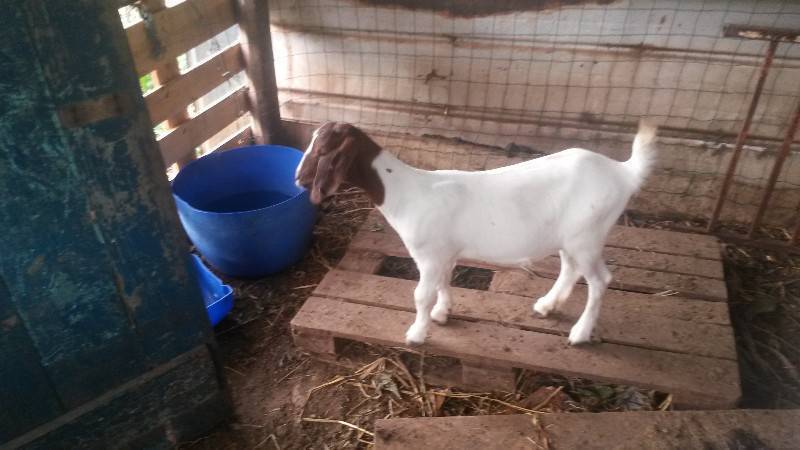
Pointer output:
x,y
243,211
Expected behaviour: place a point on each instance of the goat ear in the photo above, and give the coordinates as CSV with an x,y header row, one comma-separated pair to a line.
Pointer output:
x,y
331,171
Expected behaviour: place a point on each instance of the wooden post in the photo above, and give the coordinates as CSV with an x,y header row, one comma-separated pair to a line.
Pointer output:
x,y
253,18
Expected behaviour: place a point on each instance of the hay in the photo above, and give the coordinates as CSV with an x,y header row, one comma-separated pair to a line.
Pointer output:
x,y
388,388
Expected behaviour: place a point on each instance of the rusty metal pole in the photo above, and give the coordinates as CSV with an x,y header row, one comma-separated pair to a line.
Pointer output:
x,y
776,170
742,135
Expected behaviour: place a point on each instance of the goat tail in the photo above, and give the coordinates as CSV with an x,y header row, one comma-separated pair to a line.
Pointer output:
x,y
642,156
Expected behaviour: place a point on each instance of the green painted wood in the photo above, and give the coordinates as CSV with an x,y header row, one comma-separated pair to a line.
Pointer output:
x,y
27,397
94,259
176,402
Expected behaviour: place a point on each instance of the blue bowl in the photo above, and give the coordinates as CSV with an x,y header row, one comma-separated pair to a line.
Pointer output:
x,y
242,210
217,296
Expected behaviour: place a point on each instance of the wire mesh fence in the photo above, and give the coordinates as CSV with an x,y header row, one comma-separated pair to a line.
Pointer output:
x,y
543,75
463,84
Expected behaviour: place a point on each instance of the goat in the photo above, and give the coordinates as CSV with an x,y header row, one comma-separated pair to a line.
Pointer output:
x,y
509,216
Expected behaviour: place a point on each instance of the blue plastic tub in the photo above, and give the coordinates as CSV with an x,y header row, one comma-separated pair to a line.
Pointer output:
x,y
217,296
242,210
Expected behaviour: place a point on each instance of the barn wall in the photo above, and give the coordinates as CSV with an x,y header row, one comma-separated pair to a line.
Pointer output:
x,y
547,77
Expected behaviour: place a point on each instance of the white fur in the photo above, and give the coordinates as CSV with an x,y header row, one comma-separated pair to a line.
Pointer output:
x,y
566,202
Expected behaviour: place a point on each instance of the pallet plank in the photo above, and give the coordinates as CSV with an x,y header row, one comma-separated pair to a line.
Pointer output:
x,y
663,241
619,430
177,30
693,380
175,95
619,323
183,140
670,307
636,279
639,239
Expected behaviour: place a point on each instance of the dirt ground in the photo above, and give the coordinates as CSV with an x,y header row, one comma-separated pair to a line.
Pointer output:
x,y
284,399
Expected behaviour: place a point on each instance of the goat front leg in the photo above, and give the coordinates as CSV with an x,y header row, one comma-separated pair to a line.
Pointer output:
x,y
598,277
561,289
431,276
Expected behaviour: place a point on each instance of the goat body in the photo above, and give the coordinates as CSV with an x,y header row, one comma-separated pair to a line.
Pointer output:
x,y
514,215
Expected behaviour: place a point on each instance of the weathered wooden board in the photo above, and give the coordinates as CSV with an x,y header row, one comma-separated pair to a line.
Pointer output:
x,y
167,405
644,270
95,267
671,306
184,139
670,343
695,381
742,429
175,95
176,30
619,324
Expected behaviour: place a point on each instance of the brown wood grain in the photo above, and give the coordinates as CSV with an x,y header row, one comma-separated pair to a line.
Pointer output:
x,y
694,381
643,271
175,95
177,30
184,139
617,430
626,322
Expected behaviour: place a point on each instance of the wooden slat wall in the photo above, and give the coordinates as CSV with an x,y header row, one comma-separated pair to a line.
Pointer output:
x,y
177,94
185,138
175,31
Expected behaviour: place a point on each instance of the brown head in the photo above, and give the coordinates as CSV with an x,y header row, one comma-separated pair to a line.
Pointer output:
x,y
339,153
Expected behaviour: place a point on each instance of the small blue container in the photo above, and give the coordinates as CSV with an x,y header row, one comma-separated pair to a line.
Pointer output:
x,y
217,296
242,210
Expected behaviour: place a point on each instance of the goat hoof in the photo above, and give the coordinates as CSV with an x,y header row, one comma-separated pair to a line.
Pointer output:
x,y
579,336
415,337
543,307
439,316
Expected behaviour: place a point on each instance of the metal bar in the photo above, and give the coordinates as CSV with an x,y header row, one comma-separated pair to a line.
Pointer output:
x,y
742,135
761,33
253,18
776,170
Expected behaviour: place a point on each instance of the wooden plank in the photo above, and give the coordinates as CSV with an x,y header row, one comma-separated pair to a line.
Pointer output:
x,y
253,19
177,30
672,306
693,380
174,402
387,242
242,138
619,322
188,136
663,262
166,73
663,241
176,95
619,430
27,396
92,218
640,239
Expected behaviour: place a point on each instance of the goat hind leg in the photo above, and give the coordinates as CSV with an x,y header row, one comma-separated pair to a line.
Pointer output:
x,y
598,277
561,289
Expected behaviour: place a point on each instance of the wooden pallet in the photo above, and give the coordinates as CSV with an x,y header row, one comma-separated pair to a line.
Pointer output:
x,y
679,344
620,430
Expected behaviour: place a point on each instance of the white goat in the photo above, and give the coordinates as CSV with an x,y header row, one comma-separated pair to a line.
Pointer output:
x,y
511,216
